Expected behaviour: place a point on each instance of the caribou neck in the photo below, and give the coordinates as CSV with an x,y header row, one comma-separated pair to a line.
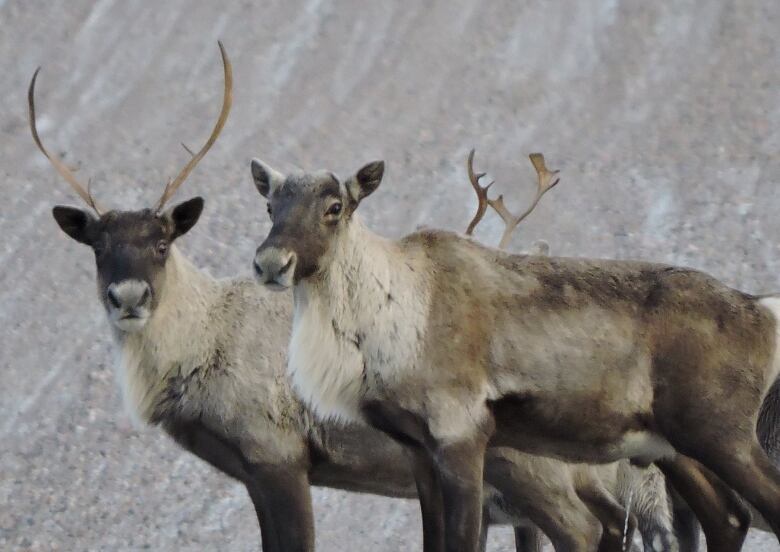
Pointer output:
x,y
174,341
366,272
357,323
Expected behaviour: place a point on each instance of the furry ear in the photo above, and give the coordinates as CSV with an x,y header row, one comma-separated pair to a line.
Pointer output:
x,y
266,178
366,180
185,215
74,222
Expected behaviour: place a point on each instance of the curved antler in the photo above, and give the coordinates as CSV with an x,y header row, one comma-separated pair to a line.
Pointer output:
x,y
227,101
547,179
481,192
61,168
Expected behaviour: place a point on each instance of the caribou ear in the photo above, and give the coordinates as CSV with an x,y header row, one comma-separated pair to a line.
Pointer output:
x,y
185,215
366,180
266,178
74,222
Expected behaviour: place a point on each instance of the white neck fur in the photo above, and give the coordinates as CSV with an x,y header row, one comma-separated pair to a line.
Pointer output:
x,y
359,322
176,337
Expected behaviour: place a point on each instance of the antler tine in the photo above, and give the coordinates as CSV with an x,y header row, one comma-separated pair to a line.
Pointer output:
x,y
227,101
546,181
481,192
61,167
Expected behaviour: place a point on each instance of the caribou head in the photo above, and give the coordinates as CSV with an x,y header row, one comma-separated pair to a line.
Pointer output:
x,y
309,212
131,247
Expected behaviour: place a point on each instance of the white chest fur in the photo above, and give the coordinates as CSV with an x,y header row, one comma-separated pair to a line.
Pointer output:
x,y
325,364
363,323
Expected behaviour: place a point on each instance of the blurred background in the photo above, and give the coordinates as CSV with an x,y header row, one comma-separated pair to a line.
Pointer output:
x,y
664,118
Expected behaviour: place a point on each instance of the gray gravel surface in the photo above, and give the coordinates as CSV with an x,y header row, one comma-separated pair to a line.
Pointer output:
x,y
664,118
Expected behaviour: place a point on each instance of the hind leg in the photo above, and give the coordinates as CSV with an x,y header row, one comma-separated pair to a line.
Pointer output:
x,y
750,472
611,515
545,497
686,526
583,535
723,516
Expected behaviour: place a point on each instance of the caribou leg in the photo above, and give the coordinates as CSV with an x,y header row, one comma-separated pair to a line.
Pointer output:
x,y
483,531
460,467
611,515
750,472
229,459
686,526
724,518
558,511
429,494
411,431
528,539
285,502
268,536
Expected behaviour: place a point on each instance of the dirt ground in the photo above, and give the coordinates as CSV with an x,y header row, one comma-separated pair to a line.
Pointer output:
x,y
663,117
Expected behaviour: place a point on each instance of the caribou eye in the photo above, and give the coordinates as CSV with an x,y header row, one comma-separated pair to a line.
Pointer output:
x,y
162,248
334,209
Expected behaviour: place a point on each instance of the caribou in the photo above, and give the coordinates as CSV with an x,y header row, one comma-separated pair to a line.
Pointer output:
x,y
768,425
452,348
205,358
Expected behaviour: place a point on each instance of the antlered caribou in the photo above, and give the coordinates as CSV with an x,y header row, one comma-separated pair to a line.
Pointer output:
x,y
453,347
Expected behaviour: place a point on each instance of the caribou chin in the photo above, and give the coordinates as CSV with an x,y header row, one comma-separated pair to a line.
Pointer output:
x,y
129,322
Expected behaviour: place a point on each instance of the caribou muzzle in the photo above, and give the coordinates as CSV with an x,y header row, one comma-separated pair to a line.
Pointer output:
x,y
129,304
275,267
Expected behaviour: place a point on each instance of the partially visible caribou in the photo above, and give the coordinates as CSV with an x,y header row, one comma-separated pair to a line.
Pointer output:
x,y
768,427
453,348
205,359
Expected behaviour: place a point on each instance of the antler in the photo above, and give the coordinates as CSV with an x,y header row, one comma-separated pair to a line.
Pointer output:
x,y
61,167
482,194
546,181
227,101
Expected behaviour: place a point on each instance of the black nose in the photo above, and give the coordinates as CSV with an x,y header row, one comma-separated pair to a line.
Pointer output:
x,y
258,270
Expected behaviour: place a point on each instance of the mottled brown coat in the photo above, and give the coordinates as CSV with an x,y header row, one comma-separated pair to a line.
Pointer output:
x,y
463,347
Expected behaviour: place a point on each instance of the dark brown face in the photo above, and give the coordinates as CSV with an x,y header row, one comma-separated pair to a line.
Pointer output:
x,y
131,250
308,212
